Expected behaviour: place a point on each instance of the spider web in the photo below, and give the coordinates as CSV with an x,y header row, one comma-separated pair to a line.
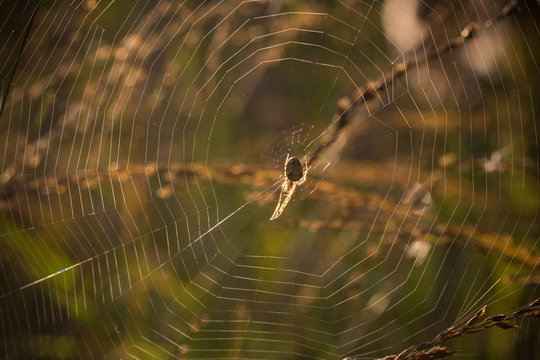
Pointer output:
x,y
143,154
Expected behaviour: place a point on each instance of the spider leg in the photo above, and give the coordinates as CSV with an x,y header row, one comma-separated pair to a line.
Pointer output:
x,y
284,197
304,175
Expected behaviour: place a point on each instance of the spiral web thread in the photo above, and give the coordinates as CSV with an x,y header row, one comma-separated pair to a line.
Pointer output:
x,y
143,156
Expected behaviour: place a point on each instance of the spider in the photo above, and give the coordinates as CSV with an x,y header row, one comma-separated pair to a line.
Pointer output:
x,y
294,174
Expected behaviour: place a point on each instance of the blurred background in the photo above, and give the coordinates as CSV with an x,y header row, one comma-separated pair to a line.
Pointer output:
x,y
143,149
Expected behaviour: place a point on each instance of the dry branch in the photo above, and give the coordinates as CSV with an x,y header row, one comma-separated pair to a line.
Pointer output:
x,y
349,106
433,349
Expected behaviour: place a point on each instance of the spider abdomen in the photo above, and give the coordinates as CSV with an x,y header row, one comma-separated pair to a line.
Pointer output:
x,y
294,169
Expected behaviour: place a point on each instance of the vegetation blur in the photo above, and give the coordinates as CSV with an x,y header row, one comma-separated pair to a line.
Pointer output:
x,y
143,152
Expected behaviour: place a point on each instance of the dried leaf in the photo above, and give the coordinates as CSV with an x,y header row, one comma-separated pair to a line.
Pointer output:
x,y
437,352
506,325
476,317
448,333
496,318
405,352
